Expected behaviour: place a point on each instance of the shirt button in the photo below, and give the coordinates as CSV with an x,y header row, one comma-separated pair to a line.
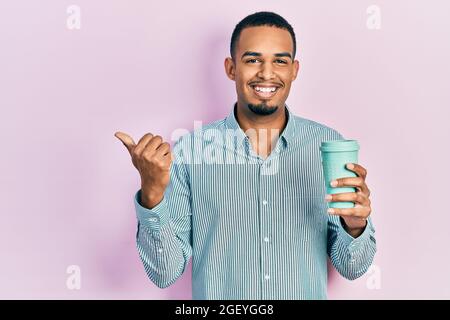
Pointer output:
x,y
266,239
267,277
264,202
159,250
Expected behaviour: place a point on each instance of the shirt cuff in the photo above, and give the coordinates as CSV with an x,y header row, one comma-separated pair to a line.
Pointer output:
x,y
353,244
153,218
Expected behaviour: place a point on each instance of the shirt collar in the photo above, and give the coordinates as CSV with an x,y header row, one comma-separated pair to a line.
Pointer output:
x,y
287,136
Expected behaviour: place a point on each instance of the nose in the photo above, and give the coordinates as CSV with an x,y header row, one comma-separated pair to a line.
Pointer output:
x,y
266,71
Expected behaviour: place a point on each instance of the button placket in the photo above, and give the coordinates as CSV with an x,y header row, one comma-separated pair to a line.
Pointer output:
x,y
265,232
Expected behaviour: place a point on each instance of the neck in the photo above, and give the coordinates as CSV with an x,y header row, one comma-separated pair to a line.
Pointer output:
x,y
263,130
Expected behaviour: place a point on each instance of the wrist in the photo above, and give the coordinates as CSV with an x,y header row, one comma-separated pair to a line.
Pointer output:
x,y
353,230
150,198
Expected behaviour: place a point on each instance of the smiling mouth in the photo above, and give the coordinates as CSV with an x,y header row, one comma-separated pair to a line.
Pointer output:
x,y
264,92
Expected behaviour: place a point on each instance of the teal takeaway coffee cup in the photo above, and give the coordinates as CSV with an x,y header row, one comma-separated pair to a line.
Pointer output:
x,y
335,155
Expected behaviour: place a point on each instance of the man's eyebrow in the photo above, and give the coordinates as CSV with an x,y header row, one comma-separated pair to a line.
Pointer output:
x,y
251,53
259,54
283,54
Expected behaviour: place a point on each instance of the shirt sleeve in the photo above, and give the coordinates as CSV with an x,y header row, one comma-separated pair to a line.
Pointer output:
x,y
350,256
164,235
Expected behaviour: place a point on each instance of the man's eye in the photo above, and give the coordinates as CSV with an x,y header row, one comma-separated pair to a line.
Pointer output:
x,y
256,60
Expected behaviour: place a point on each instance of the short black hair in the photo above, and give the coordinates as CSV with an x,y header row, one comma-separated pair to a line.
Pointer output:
x,y
262,18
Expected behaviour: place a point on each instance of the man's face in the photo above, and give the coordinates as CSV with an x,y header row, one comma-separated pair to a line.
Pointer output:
x,y
263,68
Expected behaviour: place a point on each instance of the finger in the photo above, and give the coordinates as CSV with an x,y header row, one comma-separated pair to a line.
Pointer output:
x,y
163,149
347,182
165,159
358,169
356,197
153,144
126,140
356,212
355,182
143,143
169,157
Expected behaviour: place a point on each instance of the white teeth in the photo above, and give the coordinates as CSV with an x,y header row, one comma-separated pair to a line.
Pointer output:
x,y
262,89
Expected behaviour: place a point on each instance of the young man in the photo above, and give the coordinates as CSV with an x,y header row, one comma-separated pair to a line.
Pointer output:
x,y
251,211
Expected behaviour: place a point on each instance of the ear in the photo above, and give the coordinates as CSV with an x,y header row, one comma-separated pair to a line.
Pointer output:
x,y
230,68
296,69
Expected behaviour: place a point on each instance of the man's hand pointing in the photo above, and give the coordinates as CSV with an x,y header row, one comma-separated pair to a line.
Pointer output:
x,y
152,158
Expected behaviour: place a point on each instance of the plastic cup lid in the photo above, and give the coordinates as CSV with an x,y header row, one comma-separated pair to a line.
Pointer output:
x,y
339,146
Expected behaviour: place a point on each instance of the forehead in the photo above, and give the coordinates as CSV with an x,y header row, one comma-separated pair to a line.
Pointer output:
x,y
265,39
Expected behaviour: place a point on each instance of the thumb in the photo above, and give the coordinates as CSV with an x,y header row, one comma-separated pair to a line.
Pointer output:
x,y
126,140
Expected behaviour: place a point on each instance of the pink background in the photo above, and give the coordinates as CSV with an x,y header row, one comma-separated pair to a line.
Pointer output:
x,y
67,185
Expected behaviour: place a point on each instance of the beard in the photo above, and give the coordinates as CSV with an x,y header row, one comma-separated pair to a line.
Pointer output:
x,y
262,109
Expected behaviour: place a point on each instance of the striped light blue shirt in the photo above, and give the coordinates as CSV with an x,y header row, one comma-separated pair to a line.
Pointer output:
x,y
255,228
